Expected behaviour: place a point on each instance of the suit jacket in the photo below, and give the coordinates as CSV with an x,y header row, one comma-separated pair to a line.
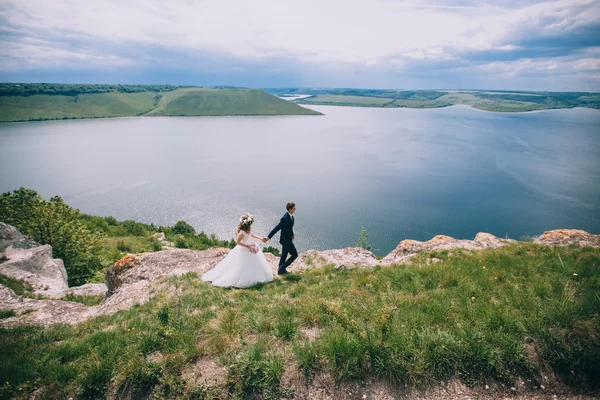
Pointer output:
x,y
287,232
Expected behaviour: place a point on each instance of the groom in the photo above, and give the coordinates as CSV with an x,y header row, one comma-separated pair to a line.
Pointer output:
x,y
286,239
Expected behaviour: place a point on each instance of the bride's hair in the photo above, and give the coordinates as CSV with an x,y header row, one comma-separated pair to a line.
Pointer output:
x,y
243,228
246,221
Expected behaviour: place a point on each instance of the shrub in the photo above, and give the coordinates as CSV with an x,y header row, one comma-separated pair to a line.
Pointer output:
x,y
55,223
270,249
7,314
134,228
363,239
183,228
112,221
156,245
122,246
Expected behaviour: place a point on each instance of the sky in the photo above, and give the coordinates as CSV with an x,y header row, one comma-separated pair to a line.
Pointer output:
x,y
401,44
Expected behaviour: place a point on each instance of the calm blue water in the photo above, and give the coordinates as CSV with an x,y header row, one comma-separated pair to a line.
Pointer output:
x,y
400,173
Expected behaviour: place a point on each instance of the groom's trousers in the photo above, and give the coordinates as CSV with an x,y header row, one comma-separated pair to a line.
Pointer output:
x,y
287,248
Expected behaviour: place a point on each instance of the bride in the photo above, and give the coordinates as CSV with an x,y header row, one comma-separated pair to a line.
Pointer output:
x,y
245,265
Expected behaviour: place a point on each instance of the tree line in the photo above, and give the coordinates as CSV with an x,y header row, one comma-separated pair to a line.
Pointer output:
x,y
63,89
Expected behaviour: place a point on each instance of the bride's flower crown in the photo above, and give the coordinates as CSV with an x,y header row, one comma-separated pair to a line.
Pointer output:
x,y
246,220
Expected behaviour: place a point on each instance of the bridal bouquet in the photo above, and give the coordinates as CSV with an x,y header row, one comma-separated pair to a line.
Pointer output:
x,y
255,248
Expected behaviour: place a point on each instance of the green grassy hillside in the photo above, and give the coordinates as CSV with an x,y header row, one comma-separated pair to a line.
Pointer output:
x,y
493,317
35,102
484,100
204,102
43,106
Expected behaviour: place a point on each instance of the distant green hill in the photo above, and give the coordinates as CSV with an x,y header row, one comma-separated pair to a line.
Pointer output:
x,y
204,102
488,100
36,102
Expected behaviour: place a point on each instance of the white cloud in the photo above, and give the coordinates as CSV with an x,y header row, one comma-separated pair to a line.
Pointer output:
x,y
335,30
333,34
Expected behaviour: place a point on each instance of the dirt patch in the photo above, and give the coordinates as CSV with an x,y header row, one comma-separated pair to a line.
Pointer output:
x,y
155,357
205,371
311,333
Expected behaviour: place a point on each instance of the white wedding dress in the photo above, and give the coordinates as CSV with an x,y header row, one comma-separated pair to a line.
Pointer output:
x,y
240,268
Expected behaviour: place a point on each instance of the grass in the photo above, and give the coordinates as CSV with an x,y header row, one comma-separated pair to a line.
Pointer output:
x,y
20,287
354,100
43,107
496,101
185,101
205,102
482,317
87,300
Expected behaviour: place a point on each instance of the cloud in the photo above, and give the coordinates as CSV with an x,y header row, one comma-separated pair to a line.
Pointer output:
x,y
388,43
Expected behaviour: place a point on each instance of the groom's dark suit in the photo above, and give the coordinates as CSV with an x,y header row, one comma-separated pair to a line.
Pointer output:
x,y
287,233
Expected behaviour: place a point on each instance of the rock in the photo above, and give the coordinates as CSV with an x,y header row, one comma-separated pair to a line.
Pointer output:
x,y
39,312
409,248
565,237
27,260
36,266
8,235
487,240
160,264
24,242
349,257
89,289
166,245
112,279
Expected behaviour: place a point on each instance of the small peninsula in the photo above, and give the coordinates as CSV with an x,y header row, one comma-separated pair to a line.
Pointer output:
x,y
44,101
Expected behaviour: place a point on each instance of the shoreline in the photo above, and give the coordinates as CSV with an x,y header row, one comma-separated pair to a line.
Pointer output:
x,y
159,116
449,106
288,115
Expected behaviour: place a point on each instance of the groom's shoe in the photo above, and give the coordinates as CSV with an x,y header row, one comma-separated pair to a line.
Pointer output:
x,y
282,272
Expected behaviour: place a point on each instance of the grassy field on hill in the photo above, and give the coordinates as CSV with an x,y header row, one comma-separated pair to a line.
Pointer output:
x,y
43,106
491,317
484,100
205,102
36,102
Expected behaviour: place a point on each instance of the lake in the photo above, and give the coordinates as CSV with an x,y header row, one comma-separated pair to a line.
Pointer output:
x,y
399,173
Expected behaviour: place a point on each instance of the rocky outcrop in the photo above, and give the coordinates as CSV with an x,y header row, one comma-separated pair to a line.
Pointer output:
x,y
349,257
154,266
113,277
89,289
564,237
40,312
137,278
166,245
8,235
409,248
27,260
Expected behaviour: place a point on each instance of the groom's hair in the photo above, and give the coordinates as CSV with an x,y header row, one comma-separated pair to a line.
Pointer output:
x,y
289,206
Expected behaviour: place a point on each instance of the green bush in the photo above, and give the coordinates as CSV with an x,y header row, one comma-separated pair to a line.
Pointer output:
x,y
270,249
55,223
112,221
363,239
134,228
183,228
7,314
122,246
